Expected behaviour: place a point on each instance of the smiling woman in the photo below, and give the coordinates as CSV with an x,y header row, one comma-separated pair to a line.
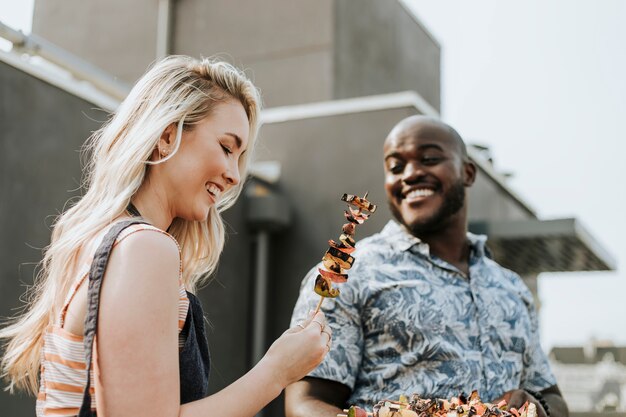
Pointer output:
x,y
200,168
114,327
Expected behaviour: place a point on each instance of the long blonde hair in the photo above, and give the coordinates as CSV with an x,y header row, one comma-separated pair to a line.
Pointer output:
x,y
175,89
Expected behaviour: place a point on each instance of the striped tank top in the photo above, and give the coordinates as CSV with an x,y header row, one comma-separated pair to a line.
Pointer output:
x,y
63,367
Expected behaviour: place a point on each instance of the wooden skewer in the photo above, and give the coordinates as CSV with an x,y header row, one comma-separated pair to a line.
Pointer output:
x,y
319,305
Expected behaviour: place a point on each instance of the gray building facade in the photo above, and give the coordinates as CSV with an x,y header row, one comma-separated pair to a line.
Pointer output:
x,y
296,52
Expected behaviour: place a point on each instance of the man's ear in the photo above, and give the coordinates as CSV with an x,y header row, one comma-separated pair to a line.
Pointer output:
x,y
469,173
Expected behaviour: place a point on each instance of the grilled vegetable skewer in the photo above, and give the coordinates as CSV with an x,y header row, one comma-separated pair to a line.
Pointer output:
x,y
337,258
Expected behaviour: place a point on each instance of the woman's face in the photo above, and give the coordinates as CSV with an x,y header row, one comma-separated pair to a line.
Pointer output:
x,y
207,162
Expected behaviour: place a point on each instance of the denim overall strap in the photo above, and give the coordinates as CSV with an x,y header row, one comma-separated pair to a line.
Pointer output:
x,y
194,361
96,273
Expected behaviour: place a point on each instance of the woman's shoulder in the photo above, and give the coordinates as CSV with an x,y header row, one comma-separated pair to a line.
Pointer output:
x,y
141,232
145,237
145,247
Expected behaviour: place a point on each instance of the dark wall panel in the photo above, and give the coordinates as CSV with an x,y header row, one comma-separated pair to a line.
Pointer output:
x,y
227,303
41,130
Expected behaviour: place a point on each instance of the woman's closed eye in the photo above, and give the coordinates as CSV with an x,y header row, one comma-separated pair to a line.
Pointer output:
x,y
227,149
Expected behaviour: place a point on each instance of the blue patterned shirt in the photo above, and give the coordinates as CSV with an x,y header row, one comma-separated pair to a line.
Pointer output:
x,y
408,322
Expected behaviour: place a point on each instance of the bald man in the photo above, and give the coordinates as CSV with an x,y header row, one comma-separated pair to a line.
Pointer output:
x,y
426,310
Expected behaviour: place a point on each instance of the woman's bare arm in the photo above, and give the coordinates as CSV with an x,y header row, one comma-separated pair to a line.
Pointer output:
x,y
137,337
138,360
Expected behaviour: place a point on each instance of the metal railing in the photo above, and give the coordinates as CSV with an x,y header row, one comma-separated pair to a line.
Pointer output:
x,y
79,69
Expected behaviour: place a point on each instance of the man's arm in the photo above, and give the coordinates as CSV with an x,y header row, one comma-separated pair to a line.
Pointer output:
x,y
315,397
551,395
555,401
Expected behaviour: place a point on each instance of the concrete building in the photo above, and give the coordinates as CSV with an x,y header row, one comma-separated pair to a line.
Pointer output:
x,y
336,77
296,52
592,378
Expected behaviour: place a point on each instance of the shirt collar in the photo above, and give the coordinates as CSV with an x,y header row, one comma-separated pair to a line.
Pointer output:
x,y
477,244
402,240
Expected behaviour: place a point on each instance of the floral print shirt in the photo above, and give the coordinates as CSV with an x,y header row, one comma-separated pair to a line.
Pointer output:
x,y
408,322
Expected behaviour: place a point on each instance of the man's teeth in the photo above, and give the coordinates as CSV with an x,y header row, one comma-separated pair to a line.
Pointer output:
x,y
419,193
213,190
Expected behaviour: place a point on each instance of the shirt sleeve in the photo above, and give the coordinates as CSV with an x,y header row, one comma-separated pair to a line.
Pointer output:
x,y
536,374
343,316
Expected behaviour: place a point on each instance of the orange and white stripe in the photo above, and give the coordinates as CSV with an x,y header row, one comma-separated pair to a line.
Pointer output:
x,y
63,367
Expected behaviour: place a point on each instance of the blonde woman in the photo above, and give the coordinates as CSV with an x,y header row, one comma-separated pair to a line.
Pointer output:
x,y
113,327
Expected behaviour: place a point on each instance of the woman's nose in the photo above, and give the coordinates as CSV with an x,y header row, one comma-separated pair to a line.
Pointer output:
x,y
232,175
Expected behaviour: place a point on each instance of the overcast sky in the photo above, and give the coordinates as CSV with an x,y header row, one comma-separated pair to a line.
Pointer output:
x,y
544,84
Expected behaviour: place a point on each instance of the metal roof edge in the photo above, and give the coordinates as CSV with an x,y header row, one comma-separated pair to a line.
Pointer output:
x,y
499,179
80,89
594,246
567,226
411,11
61,68
347,106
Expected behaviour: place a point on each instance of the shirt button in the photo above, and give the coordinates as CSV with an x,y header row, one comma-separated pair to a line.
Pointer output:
x,y
408,359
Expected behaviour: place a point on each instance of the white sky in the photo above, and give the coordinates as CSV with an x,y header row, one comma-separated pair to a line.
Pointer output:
x,y
544,84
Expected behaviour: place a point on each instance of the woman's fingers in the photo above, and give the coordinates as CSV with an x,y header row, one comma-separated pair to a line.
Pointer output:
x,y
319,323
318,319
315,323
327,332
306,344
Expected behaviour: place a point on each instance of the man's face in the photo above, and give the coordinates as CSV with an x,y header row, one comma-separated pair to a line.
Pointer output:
x,y
425,178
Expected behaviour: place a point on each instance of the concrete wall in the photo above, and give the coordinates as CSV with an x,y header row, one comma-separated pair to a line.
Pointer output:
x,y
295,52
381,48
114,35
285,46
489,203
43,127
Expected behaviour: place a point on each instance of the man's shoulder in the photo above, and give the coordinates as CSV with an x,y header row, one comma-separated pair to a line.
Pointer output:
x,y
512,278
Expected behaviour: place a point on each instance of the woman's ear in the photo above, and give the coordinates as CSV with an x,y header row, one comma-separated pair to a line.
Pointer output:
x,y
469,173
166,142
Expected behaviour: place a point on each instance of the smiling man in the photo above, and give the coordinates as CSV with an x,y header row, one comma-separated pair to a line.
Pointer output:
x,y
426,310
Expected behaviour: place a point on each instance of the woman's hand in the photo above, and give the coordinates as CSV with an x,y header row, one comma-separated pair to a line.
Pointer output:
x,y
299,350
293,355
